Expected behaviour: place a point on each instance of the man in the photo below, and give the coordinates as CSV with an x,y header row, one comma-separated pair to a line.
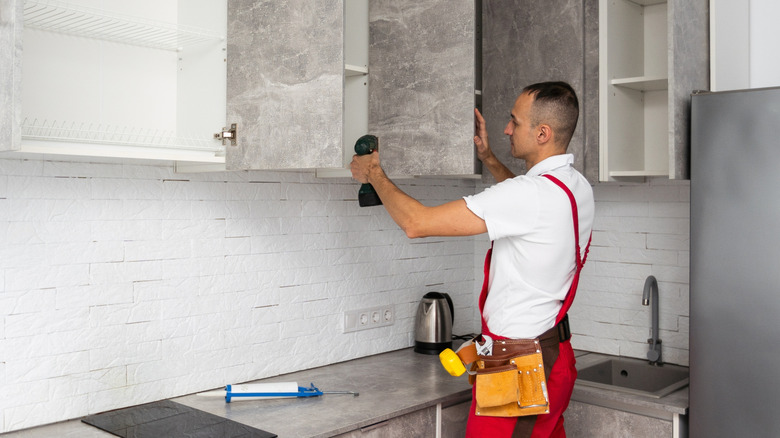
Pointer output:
x,y
533,266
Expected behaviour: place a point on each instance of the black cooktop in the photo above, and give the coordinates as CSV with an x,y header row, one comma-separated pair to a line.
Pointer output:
x,y
167,419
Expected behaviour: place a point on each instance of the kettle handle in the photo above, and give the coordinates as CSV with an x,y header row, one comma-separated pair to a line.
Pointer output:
x,y
452,307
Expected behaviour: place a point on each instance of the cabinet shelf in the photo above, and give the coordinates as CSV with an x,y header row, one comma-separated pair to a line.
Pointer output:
x,y
71,132
61,17
637,173
355,70
642,83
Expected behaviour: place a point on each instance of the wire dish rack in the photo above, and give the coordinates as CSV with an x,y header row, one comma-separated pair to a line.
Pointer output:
x,y
90,133
56,16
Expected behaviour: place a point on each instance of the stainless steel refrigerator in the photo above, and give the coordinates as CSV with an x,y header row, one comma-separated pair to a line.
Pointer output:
x,y
735,264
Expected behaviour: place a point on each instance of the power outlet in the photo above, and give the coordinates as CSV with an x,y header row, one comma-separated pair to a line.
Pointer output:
x,y
364,319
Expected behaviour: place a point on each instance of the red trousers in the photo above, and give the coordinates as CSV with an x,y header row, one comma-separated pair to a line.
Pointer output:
x,y
560,385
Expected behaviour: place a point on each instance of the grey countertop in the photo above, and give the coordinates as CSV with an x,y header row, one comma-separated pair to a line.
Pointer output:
x,y
390,384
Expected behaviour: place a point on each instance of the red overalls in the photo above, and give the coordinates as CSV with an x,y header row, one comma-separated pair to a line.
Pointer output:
x,y
560,383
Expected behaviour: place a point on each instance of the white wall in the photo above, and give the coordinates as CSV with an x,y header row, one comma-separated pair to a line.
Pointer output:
x,y
743,44
122,283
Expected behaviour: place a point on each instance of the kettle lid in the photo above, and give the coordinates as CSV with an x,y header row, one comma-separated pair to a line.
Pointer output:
x,y
435,295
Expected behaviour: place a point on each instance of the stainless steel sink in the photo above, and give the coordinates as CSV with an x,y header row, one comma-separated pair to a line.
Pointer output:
x,y
634,376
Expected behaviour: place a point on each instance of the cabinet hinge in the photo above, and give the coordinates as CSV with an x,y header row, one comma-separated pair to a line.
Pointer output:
x,y
227,134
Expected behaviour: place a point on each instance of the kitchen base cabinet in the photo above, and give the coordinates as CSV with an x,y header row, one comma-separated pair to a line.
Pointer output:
x,y
420,423
582,419
454,418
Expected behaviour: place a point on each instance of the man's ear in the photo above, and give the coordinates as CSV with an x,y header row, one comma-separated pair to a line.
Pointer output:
x,y
544,134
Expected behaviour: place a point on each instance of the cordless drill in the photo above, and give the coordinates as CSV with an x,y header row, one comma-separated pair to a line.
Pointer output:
x,y
367,196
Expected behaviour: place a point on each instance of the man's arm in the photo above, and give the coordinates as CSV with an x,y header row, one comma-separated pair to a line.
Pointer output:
x,y
416,219
485,154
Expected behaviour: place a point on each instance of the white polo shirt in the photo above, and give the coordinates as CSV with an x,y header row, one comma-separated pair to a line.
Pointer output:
x,y
529,220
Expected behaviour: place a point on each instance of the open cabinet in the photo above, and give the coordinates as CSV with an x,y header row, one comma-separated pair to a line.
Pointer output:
x,y
652,55
141,79
242,84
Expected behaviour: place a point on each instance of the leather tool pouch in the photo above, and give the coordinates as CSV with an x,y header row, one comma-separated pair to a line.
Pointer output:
x,y
511,382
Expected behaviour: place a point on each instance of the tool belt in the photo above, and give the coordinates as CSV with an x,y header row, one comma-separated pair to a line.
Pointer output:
x,y
512,381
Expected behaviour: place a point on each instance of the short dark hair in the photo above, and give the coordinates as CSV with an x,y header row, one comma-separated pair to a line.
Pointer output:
x,y
555,104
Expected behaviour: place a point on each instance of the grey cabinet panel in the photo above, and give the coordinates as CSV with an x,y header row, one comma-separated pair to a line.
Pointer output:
x,y
454,419
421,85
10,74
529,41
689,71
418,424
585,420
285,61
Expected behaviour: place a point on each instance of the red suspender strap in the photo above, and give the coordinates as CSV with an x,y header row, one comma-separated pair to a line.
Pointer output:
x,y
577,258
483,294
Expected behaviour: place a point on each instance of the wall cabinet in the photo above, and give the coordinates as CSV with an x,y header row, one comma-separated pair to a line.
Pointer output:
x,y
653,54
157,80
285,88
10,69
131,79
422,79
527,41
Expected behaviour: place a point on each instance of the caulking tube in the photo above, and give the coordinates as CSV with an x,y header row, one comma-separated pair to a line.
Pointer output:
x,y
263,390
246,391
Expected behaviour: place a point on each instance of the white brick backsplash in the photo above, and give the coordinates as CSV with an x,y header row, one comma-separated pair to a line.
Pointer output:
x,y
40,277
128,283
128,189
640,230
50,188
40,368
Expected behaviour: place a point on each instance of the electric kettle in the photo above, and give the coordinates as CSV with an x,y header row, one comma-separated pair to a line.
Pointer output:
x,y
433,327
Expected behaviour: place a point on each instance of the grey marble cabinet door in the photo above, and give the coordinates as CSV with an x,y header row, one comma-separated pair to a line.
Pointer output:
x,y
285,82
529,41
421,80
10,74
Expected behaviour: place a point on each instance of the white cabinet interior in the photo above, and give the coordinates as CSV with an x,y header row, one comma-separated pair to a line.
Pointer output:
x,y
652,55
141,79
634,126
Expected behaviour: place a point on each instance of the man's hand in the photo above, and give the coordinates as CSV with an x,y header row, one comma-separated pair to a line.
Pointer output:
x,y
450,219
481,137
485,154
362,165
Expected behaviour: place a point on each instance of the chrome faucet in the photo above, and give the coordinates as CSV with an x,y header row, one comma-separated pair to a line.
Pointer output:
x,y
654,354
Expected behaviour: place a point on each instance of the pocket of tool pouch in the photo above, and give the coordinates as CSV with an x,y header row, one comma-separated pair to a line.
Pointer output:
x,y
497,386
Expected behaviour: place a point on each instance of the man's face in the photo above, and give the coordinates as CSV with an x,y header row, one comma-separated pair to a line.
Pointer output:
x,y
519,129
